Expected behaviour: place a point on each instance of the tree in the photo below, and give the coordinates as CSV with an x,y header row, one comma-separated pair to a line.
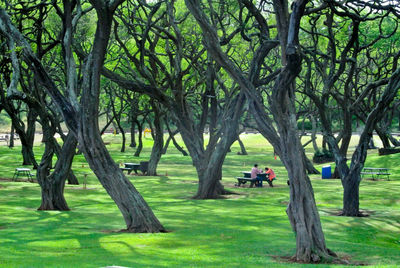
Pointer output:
x,y
347,67
182,78
82,118
301,210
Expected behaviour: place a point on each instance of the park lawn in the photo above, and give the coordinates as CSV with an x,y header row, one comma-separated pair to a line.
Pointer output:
x,y
246,230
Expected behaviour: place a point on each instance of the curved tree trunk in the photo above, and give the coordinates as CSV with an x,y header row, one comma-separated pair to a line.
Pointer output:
x,y
172,137
382,135
242,147
53,184
136,212
309,165
178,147
210,175
138,216
72,179
166,145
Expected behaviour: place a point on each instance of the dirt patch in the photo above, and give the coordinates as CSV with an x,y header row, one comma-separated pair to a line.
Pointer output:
x,y
338,212
126,231
342,260
80,188
18,180
188,181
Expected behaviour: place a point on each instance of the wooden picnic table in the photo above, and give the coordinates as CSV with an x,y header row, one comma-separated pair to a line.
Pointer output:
x,y
375,172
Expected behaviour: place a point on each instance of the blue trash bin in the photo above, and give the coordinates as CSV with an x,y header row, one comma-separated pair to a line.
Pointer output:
x,y
326,172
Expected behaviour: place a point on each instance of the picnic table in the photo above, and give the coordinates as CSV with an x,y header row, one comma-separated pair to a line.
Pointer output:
x,y
375,172
131,166
142,166
247,177
23,172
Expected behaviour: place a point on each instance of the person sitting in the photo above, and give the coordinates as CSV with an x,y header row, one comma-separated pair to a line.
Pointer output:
x,y
271,176
254,172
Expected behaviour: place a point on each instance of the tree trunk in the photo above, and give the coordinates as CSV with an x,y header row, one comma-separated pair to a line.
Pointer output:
x,y
52,187
12,136
308,164
351,185
136,212
133,140
123,139
72,179
172,136
382,135
178,147
242,147
28,140
166,145
158,137
393,140
209,172
140,139
314,133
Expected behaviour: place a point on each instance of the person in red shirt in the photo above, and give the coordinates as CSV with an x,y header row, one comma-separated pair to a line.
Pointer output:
x,y
271,176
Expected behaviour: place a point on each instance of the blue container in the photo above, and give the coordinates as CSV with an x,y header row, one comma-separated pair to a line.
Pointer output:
x,y
326,172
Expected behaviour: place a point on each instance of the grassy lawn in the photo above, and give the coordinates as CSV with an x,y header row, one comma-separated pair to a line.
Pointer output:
x,y
246,230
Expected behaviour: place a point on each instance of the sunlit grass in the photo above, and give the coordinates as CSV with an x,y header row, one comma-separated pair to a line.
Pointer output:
x,y
246,230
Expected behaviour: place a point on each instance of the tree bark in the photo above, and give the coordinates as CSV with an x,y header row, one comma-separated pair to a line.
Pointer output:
x,y
140,139
12,136
27,146
351,196
53,185
158,137
242,147
137,214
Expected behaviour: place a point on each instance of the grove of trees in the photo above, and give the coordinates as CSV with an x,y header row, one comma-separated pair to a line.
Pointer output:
x,y
205,70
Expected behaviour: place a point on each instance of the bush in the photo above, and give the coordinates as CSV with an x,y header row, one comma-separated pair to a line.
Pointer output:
x,y
323,156
306,123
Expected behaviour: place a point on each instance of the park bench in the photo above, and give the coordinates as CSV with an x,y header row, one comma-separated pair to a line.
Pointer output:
x,y
243,181
375,173
23,172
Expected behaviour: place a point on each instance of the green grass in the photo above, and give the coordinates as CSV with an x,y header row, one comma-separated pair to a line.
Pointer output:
x,y
248,230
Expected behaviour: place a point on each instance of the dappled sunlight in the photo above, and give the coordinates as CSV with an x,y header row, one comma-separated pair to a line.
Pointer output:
x,y
250,227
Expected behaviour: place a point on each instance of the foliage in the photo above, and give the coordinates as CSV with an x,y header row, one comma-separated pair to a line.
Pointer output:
x,y
304,124
323,156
